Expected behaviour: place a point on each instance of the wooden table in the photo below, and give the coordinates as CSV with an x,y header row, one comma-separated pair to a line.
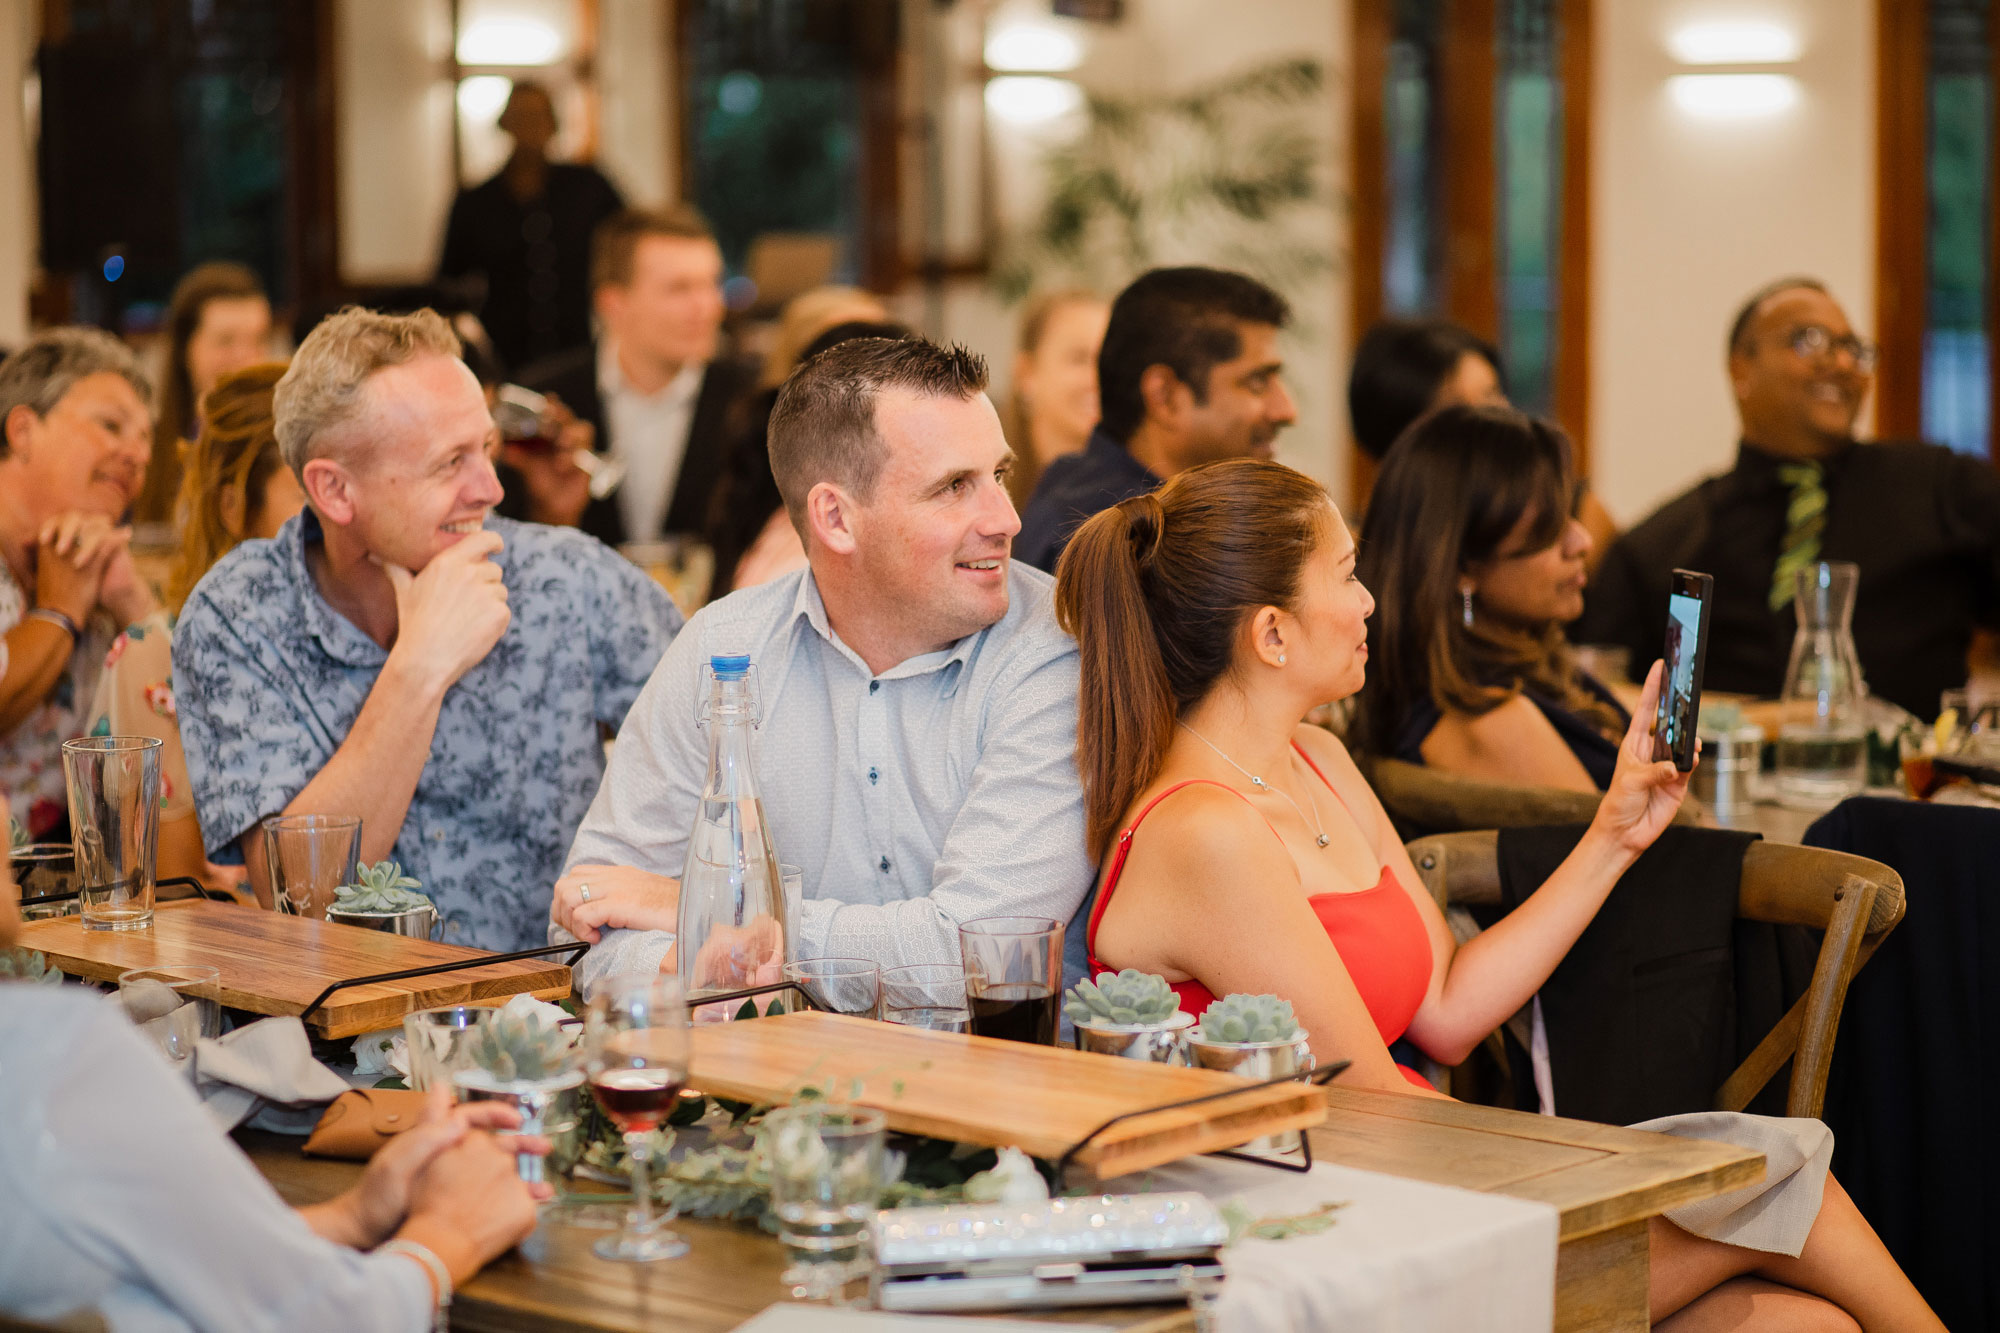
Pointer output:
x,y
1605,1181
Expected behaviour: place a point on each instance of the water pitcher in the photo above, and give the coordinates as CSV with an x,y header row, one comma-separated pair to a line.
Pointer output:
x,y
1822,716
735,931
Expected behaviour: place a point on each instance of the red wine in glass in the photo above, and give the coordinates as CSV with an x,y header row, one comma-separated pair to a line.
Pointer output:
x,y
636,1100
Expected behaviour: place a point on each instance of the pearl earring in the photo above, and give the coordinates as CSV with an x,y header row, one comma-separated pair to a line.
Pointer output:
x,y
1467,594
1281,659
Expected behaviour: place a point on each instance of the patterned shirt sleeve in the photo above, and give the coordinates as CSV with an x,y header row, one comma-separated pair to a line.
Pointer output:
x,y
249,752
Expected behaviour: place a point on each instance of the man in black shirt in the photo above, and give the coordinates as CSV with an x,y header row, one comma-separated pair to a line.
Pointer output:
x,y
1922,522
1188,373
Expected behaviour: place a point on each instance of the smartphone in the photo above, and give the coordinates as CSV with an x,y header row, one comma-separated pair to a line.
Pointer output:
x,y
1687,649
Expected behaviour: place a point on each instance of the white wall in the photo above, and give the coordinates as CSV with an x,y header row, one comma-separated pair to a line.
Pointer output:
x,y
1690,216
19,244
394,150
637,142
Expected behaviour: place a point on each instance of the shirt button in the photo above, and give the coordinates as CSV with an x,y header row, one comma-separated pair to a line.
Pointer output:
x,y
873,776
885,865
874,685
437,835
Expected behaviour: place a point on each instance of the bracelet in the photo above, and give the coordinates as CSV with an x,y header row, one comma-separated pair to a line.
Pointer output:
x,y
440,1275
57,618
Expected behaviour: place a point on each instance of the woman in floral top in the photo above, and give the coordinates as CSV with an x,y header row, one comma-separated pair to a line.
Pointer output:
x,y
234,488
74,439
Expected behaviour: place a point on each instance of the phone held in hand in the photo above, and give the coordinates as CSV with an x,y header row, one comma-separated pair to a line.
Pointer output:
x,y
1687,650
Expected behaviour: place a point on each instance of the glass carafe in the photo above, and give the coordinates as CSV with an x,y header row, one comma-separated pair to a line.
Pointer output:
x,y
734,929
1822,714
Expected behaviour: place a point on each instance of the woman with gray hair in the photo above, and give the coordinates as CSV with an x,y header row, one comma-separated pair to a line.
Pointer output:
x,y
75,436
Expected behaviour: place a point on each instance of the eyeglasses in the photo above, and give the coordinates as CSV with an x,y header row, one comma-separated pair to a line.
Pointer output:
x,y
1810,342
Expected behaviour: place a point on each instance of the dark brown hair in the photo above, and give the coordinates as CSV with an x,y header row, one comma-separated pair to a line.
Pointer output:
x,y
823,424
1456,485
218,280
235,451
617,239
1154,590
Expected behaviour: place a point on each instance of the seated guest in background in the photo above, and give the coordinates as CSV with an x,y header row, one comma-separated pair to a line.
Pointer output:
x,y
654,387
234,488
398,653
74,439
1923,523
746,515
1477,565
219,321
916,756
525,234
1210,618
177,1231
1189,373
1404,368
1052,405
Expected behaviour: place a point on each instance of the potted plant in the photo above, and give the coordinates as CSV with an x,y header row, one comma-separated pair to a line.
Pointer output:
x,y
1255,1037
524,1057
384,898
1132,1014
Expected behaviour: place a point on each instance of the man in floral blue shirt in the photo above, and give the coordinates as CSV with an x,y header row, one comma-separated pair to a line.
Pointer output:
x,y
397,652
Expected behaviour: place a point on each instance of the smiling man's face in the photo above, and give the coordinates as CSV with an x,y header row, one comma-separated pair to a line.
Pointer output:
x,y
1799,404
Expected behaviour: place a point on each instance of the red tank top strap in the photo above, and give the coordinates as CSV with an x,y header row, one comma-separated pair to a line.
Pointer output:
x,y
1322,777
1124,848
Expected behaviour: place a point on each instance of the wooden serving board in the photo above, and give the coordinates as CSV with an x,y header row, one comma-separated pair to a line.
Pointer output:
x,y
271,963
997,1093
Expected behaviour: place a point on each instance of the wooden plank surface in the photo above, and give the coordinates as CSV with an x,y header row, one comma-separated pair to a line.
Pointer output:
x,y
942,1085
270,963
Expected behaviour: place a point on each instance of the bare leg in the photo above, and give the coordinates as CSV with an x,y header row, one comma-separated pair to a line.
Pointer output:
x,y
1843,1262
1752,1303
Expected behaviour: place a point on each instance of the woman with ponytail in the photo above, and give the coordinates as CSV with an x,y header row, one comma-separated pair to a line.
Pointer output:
x,y
1242,851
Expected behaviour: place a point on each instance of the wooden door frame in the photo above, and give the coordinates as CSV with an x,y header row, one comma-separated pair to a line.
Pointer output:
x,y
1902,207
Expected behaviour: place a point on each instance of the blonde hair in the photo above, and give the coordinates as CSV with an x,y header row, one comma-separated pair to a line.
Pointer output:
x,y
234,453
322,390
810,314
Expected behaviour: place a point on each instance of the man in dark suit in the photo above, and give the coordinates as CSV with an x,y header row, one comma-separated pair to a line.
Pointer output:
x,y
653,386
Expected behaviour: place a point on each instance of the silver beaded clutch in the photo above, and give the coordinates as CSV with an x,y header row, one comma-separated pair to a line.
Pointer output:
x,y
1100,1250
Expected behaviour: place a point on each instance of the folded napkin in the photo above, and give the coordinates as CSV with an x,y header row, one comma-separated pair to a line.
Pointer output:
x,y
268,1066
1775,1214
1402,1254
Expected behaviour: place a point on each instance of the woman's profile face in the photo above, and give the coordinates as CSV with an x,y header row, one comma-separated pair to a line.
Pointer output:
x,y
1332,613
282,497
233,332
1058,377
1533,588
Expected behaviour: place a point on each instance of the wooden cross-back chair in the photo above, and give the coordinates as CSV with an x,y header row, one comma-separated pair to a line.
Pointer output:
x,y
1854,900
1420,799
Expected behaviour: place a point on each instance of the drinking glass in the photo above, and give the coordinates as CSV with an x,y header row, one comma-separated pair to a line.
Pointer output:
x,y
827,1177
174,1007
307,857
114,821
636,1058
1013,975
841,985
926,995
439,1042
517,1060
45,870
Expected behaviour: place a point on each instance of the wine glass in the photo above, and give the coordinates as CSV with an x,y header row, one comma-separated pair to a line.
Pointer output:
x,y
636,1058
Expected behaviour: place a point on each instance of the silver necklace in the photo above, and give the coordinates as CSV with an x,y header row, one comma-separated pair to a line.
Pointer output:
x,y
1262,785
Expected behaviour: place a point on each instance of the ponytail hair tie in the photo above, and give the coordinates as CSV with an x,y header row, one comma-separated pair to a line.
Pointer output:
x,y
1146,525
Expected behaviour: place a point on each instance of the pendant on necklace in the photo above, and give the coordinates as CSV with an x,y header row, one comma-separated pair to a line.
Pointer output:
x,y
1322,839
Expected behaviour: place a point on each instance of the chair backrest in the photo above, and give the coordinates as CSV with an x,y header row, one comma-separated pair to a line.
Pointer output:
x,y
1428,799
1854,900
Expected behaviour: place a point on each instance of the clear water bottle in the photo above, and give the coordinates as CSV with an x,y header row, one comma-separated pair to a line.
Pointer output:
x,y
734,930
1822,715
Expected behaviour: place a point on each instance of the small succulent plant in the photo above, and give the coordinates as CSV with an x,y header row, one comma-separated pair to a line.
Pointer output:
x,y
1128,999
382,887
520,1048
1245,1019
16,835
27,965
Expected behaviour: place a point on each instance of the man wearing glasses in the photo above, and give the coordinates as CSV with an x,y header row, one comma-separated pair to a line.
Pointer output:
x,y
1922,522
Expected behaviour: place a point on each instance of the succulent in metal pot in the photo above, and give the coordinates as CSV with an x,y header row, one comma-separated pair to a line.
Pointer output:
x,y
382,887
1127,999
27,965
1248,1019
520,1048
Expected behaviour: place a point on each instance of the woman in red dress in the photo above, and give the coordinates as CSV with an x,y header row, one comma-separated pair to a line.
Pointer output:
x,y
1244,852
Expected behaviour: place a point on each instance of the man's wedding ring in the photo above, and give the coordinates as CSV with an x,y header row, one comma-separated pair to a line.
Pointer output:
x,y
583,891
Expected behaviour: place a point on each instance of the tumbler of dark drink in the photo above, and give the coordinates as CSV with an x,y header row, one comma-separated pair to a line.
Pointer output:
x,y
1013,975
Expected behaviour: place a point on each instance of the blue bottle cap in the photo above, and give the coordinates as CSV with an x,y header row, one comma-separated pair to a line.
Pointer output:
x,y
730,666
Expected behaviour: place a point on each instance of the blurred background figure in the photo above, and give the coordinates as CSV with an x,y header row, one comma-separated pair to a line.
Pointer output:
x,y
747,528
655,386
219,321
1404,368
1053,405
526,232
234,488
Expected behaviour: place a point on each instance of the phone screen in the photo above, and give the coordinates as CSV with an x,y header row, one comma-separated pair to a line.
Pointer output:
x,y
1680,690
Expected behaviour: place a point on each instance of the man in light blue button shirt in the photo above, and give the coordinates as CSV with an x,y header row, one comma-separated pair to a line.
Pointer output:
x,y
917,754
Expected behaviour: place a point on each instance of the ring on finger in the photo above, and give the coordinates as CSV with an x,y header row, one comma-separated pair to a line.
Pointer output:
x,y
583,892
